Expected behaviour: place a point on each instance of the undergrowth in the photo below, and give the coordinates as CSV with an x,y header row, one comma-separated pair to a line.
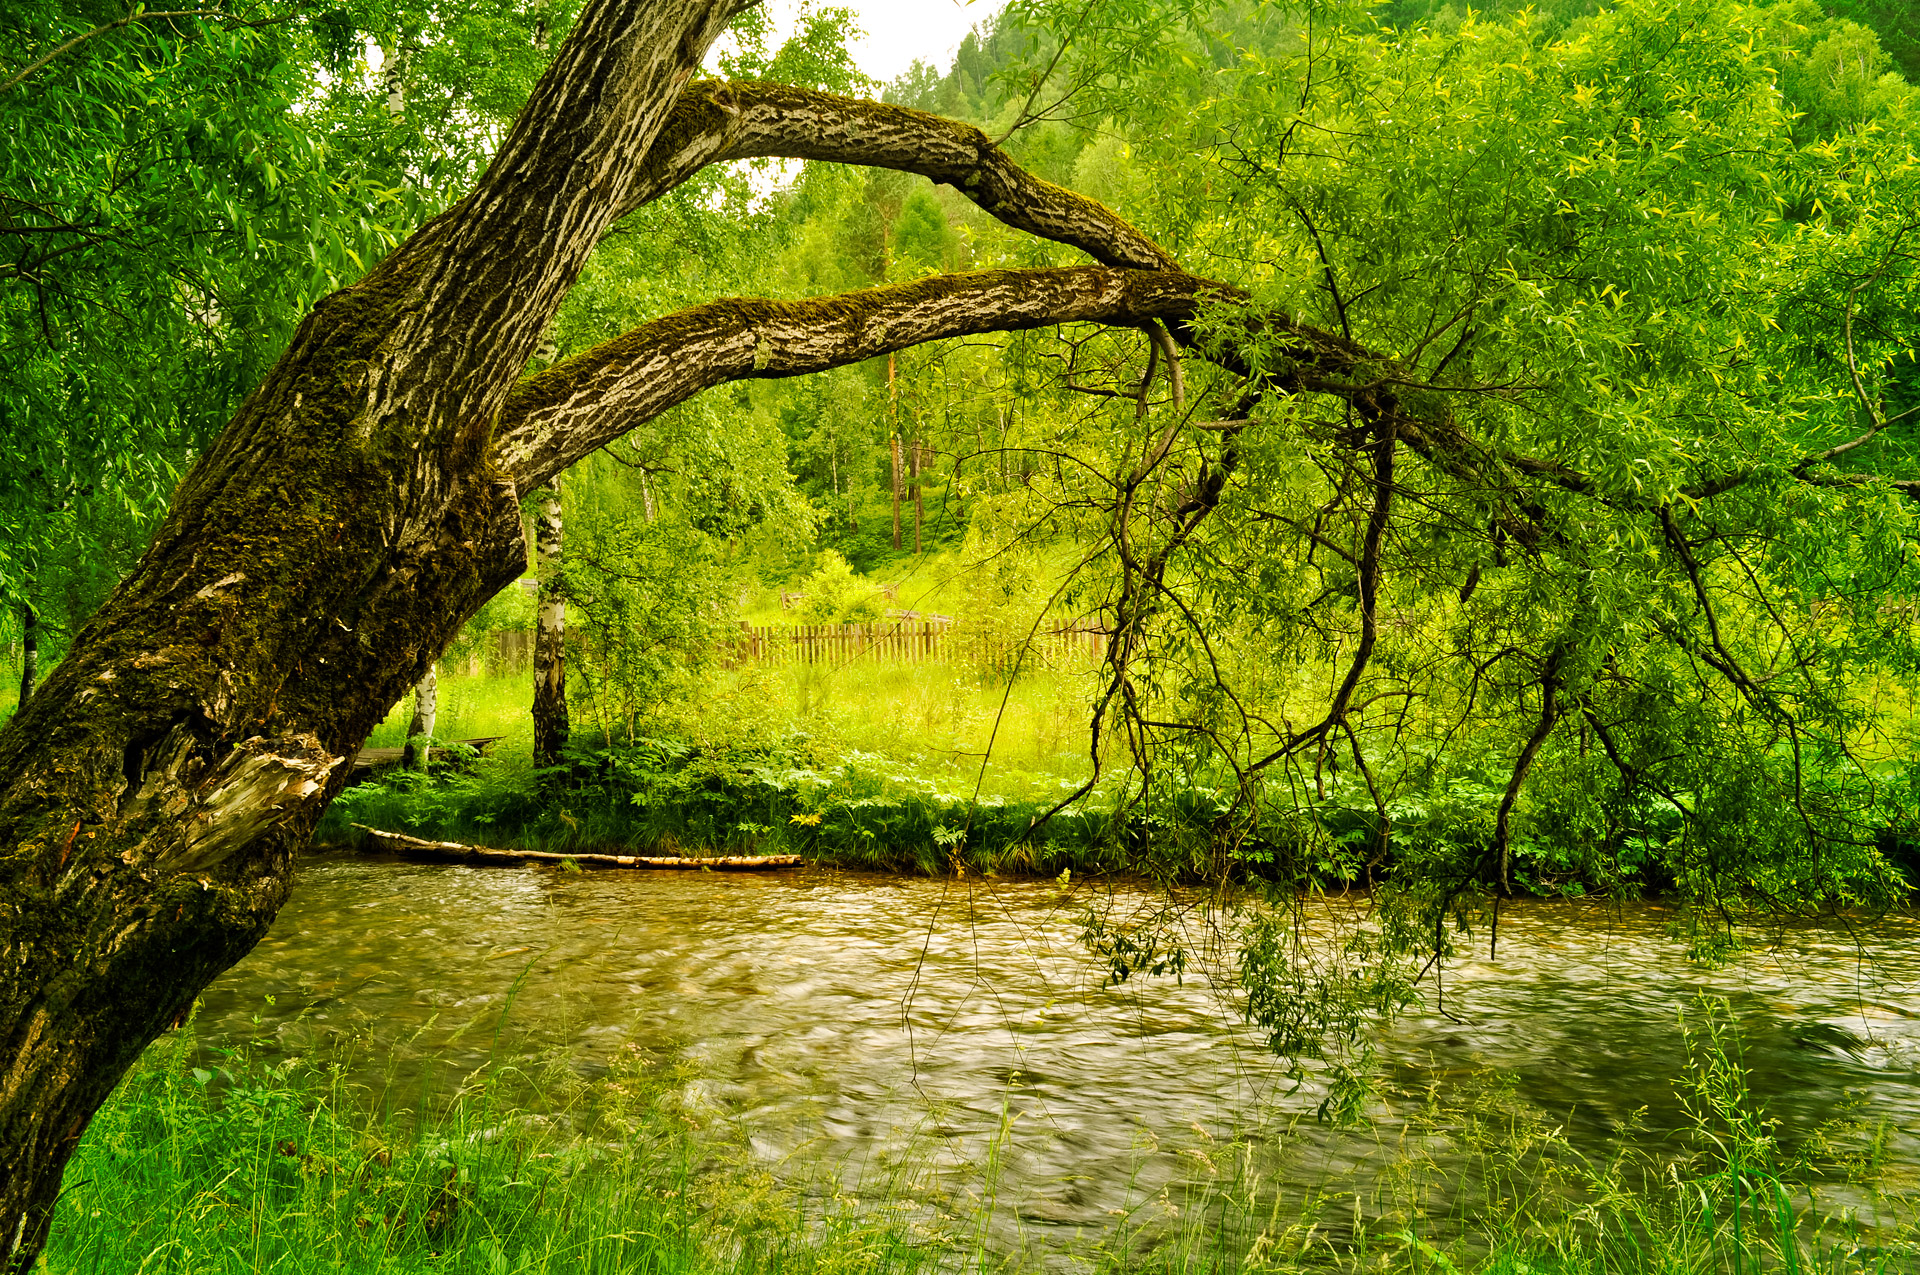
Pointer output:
x,y
663,796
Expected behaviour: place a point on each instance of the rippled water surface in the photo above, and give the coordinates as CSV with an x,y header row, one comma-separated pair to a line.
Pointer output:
x,y
879,1023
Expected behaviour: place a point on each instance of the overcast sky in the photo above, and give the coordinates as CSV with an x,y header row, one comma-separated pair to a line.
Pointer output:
x,y
898,31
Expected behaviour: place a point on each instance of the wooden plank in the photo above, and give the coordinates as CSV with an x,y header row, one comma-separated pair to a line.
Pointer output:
x,y
401,843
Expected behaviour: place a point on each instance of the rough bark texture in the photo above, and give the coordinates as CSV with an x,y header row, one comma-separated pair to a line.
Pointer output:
x,y
550,725
426,708
716,121
565,412
314,563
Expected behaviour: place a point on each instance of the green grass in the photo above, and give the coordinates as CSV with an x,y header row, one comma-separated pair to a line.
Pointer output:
x,y
194,1167
944,721
865,764
917,767
940,720
470,708
667,797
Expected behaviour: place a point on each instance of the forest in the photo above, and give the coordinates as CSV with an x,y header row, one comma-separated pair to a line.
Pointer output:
x,y
1296,494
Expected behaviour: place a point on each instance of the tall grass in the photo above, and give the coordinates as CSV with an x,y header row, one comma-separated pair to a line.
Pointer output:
x,y
289,1168
193,1167
1024,736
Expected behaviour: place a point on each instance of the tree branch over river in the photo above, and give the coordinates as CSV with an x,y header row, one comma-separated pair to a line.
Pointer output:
x,y
1547,449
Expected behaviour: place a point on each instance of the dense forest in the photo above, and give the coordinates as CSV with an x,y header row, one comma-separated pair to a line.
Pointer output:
x,y
1502,480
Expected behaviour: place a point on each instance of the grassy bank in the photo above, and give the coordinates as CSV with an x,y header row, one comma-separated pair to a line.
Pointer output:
x,y
918,768
947,722
193,1167
199,1168
669,797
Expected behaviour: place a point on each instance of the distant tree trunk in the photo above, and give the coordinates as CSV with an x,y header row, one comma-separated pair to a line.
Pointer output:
x,y
395,77
893,445
550,640
919,506
29,652
426,706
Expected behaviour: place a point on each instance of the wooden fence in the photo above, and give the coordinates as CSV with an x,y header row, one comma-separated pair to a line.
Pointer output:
x,y
914,642
918,640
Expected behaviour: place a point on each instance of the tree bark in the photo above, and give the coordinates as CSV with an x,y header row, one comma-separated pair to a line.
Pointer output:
x,y
555,417
716,121
426,707
549,644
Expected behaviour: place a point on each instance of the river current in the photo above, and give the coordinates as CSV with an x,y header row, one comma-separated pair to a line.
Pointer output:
x,y
959,1033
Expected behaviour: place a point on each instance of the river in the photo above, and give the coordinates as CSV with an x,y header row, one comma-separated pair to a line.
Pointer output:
x,y
957,1033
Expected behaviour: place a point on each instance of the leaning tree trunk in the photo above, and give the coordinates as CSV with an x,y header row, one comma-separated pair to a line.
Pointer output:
x,y
550,639
365,501
426,708
314,563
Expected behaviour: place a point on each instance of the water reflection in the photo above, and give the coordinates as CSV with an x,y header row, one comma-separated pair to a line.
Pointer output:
x,y
929,1028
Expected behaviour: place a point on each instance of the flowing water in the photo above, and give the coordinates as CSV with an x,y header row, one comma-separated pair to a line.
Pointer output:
x,y
957,1037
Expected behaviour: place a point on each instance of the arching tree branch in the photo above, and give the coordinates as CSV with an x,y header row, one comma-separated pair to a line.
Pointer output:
x,y
553,419
717,121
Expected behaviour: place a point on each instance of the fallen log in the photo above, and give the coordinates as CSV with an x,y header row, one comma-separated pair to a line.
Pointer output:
x,y
418,847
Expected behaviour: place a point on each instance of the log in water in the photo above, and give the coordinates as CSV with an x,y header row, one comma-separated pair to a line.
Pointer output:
x,y
399,843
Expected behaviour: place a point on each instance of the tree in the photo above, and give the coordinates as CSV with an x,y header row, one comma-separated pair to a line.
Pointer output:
x,y
165,215
366,499
1623,634
549,647
426,710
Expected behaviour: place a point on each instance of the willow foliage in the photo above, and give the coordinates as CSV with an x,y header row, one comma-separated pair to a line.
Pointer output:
x,y
1632,601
